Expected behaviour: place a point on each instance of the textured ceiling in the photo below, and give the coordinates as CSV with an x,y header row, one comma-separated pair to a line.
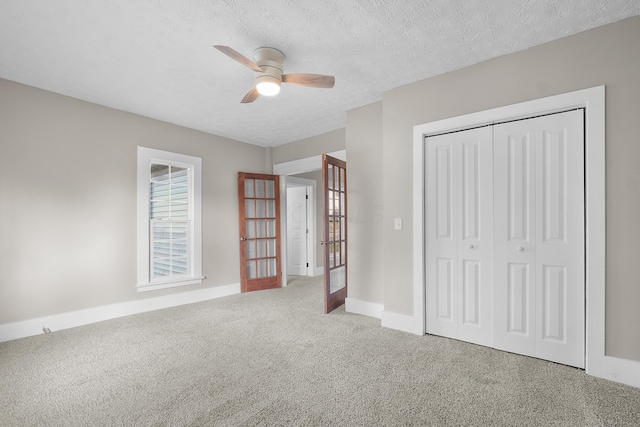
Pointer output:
x,y
155,57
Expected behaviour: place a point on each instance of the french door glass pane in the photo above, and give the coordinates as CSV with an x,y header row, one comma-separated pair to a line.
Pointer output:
x,y
250,229
259,188
262,248
249,208
271,209
261,228
262,268
338,279
248,188
271,247
260,210
271,190
271,267
271,228
331,200
252,271
251,248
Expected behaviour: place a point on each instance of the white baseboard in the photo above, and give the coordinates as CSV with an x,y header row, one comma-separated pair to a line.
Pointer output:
x,y
401,322
371,309
621,371
56,322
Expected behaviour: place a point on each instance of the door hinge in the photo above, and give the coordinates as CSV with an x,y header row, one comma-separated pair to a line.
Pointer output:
x,y
306,196
307,231
307,265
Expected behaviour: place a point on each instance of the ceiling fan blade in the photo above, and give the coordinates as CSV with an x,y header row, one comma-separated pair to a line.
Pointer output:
x,y
238,57
309,80
251,96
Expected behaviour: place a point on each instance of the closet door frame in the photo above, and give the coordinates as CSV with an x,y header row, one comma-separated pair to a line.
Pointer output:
x,y
592,100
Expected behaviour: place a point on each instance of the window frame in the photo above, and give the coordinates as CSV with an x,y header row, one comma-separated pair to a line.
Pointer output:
x,y
147,157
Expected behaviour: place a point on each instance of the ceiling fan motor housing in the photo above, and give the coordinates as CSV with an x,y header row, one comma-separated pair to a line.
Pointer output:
x,y
270,60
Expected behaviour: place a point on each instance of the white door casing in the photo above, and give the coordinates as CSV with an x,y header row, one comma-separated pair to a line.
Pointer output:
x,y
297,231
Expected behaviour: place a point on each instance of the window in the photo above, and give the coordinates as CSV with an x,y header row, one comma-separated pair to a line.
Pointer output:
x,y
169,219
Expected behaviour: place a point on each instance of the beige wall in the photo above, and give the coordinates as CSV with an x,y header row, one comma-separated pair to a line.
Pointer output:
x,y
68,201
365,202
608,56
308,147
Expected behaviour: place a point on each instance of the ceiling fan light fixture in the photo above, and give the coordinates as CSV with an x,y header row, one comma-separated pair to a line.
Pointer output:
x,y
268,85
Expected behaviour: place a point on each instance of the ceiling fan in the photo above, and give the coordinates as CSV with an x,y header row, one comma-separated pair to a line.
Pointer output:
x,y
268,71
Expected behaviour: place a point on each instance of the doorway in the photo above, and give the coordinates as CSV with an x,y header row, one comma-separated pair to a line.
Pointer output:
x,y
309,168
301,220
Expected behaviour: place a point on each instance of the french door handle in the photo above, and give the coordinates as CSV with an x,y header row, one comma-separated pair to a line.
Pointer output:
x,y
321,242
242,239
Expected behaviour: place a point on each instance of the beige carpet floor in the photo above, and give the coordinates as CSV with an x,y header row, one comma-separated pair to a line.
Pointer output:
x,y
271,358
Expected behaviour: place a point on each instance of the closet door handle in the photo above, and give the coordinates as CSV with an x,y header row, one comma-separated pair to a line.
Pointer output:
x,y
520,249
471,246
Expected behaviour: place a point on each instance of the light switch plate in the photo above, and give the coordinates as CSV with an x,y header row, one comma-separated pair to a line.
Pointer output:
x,y
397,223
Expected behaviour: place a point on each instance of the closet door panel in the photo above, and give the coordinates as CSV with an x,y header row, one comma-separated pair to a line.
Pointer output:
x,y
475,243
560,238
442,236
459,235
514,231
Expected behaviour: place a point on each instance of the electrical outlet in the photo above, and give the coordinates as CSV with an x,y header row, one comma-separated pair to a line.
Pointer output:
x,y
397,223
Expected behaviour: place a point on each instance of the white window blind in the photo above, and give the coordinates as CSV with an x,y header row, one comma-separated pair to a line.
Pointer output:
x,y
169,220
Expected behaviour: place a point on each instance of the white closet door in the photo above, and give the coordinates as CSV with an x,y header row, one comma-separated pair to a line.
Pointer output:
x,y
459,235
297,231
560,255
539,238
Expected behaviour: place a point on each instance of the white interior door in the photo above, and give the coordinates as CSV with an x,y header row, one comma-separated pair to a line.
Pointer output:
x,y
459,235
297,231
539,237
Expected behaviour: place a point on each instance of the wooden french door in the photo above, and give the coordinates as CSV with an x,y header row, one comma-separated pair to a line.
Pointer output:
x,y
334,178
259,205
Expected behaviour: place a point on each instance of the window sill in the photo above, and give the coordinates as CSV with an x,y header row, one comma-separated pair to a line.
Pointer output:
x,y
144,287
